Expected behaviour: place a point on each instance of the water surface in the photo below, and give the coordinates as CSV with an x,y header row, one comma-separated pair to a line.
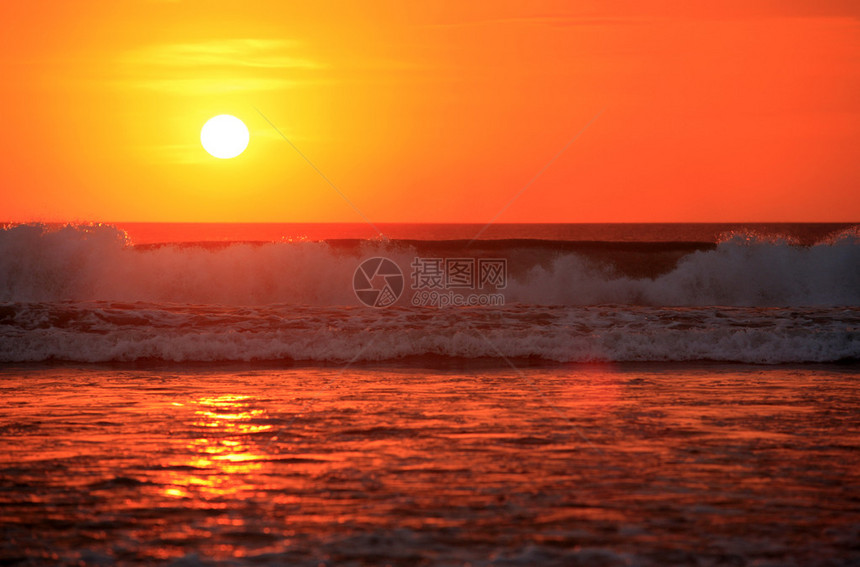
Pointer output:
x,y
592,465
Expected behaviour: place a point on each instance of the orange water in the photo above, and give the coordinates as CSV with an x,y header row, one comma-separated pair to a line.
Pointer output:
x,y
645,465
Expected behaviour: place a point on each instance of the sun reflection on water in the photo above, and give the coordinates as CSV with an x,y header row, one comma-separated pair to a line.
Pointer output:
x,y
223,459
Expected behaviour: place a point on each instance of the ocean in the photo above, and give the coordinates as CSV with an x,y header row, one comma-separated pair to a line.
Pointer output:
x,y
617,394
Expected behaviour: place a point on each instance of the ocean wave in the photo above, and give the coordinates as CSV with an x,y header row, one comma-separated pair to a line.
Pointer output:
x,y
742,270
97,262
114,332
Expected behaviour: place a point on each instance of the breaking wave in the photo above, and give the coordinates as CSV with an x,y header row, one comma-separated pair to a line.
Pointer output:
x,y
86,294
92,263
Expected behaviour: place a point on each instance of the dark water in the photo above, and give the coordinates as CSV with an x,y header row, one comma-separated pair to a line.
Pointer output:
x,y
149,233
586,465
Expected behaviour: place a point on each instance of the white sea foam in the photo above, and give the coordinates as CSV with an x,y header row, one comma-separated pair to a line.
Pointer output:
x,y
742,271
97,263
87,332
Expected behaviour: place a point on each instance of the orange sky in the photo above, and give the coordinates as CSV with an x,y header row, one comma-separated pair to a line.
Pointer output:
x,y
747,111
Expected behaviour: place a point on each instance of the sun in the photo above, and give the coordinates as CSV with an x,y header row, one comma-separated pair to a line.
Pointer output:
x,y
224,136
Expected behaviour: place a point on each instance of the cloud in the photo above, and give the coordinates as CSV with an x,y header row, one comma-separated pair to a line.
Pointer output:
x,y
216,67
214,85
537,20
259,53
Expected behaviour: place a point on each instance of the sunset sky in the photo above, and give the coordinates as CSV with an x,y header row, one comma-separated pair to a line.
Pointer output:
x,y
737,110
